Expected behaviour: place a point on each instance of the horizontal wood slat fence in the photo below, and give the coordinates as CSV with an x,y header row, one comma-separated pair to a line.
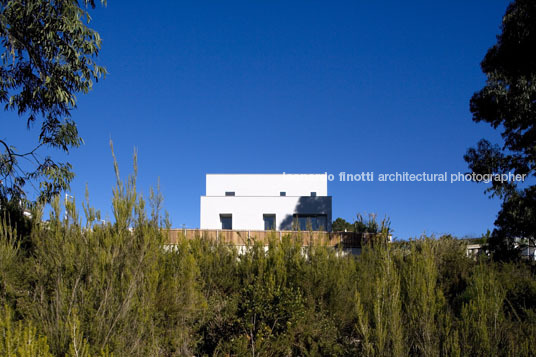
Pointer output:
x,y
244,237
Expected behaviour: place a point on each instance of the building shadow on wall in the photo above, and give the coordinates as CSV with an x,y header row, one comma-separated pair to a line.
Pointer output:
x,y
318,205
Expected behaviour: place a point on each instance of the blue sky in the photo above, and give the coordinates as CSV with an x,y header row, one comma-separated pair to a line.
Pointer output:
x,y
299,87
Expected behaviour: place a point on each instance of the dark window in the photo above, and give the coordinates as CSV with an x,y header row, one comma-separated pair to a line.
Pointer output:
x,y
269,221
229,193
226,221
282,193
314,222
313,194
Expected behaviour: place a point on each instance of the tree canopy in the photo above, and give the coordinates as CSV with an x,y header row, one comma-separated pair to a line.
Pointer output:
x,y
508,103
361,224
342,225
47,57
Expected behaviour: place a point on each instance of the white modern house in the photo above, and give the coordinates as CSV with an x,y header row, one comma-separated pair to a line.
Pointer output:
x,y
266,202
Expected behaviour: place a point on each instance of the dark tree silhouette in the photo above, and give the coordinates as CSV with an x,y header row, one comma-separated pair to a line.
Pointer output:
x,y
508,103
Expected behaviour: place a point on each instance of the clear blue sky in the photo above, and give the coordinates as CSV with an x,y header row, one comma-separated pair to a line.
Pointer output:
x,y
297,86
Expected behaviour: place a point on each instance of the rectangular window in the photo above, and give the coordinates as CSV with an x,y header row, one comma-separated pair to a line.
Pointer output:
x,y
321,223
313,194
226,221
282,193
229,193
313,222
269,221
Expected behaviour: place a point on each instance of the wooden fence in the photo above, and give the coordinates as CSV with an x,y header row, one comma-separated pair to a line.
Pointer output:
x,y
244,237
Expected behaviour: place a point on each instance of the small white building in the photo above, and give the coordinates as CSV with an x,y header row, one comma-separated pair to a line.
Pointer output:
x,y
266,202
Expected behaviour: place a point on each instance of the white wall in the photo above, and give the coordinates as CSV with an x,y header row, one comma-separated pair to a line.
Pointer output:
x,y
267,184
247,212
259,194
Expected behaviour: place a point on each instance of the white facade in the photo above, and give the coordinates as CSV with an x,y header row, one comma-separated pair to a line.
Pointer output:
x,y
266,201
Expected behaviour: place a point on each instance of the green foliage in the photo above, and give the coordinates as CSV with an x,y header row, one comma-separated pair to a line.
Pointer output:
x,y
507,102
341,225
9,257
117,289
179,303
361,224
101,278
20,340
454,269
379,303
369,224
47,57
423,302
482,316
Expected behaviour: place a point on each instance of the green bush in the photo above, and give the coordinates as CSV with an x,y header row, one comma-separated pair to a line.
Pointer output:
x,y
80,288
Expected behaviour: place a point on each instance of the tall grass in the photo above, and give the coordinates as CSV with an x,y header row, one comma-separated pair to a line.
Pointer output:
x,y
81,288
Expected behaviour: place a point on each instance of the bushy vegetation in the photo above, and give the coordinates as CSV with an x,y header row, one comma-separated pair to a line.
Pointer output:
x,y
507,104
361,224
92,289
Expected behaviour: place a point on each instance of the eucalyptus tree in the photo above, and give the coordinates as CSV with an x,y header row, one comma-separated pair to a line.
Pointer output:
x,y
508,103
47,57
